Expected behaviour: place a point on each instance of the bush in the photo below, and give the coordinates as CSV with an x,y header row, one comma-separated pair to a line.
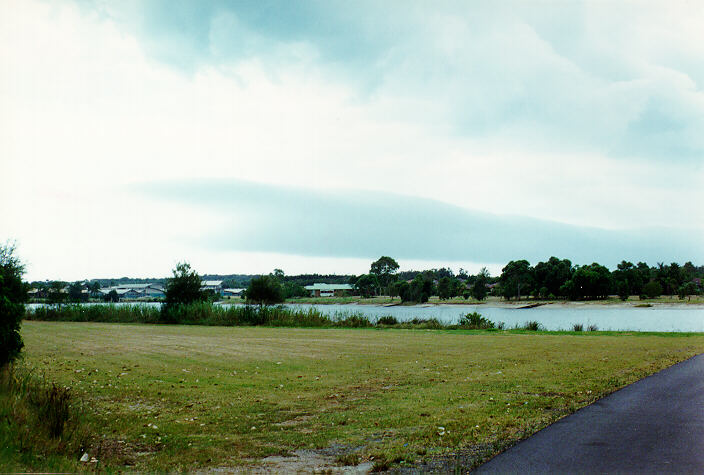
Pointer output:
x,y
577,327
13,296
42,428
475,321
592,328
533,326
387,320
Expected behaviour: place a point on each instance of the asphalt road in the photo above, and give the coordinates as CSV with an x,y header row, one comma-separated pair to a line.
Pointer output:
x,y
655,425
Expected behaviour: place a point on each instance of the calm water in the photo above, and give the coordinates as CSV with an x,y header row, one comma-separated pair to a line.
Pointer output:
x,y
552,317
662,318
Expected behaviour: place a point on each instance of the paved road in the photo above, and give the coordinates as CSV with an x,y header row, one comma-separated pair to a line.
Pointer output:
x,y
655,425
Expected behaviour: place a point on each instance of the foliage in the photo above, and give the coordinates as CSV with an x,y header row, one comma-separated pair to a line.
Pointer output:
x,y
516,279
593,281
184,287
475,321
532,326
13,296
687,289
76,294
41,426
264,290
652,289
384,268
367,284
577,327
479,289
112,296
445,288
387,320
419,290
551,275
57,294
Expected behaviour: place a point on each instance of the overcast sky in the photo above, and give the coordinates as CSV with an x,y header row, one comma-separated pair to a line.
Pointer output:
x,y
317,136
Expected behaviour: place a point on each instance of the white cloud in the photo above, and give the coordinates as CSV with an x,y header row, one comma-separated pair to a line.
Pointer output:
x,y
86,111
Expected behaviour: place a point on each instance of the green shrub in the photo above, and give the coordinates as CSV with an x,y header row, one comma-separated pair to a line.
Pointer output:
x,y
387,320
532,325
577,327
475,321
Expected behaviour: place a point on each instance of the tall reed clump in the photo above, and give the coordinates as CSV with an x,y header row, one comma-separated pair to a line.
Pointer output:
x,y
109,313
40,424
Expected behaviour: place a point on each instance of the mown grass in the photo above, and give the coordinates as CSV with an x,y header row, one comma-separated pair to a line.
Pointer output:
x,y
174,397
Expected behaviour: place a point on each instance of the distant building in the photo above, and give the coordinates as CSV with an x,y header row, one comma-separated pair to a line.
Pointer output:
x,y
328,290
136,291
212,285
232,292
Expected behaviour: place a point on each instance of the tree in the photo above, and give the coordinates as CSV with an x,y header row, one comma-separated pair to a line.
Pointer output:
x,y
13,296
264,290
516,279
652,289
384,268
592,281
112,296
57,294
479,290
367,284
444,288
75,293
552,275
687,290
184,287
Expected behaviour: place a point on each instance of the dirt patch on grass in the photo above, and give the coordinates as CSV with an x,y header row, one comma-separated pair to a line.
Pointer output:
x,y
335,459
119,452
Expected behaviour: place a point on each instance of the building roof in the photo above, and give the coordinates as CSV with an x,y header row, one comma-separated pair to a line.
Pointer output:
x,y
329,287
212,283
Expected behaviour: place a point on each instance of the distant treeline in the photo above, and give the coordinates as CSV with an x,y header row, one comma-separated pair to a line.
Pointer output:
x,y
552,279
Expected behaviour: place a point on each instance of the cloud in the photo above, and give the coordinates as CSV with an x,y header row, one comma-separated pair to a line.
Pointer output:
x,y
625,81
362,224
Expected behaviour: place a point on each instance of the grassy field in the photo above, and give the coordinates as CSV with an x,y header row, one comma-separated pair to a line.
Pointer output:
x,y
161,397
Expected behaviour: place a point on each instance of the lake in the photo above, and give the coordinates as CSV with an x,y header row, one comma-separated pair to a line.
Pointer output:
x,y
659,318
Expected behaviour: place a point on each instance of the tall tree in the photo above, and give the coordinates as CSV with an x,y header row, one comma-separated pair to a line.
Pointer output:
x,y
385,269
517,279
184,287
13,296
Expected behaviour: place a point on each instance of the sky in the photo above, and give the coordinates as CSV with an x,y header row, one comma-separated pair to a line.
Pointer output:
x,y
316,136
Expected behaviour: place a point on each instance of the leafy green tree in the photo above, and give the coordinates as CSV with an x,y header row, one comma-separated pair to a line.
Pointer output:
x,y
628,279
75,293
652,289
592,281
112,296
57,295
687,290
264,290
13,296
552,275
184,287
384,269
517,279
445,288
479,289
367,284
